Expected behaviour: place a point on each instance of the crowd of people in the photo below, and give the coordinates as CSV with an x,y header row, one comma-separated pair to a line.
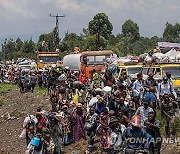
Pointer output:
x,y
117,114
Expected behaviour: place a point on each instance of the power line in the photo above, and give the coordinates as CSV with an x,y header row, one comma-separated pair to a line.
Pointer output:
x,y
56,30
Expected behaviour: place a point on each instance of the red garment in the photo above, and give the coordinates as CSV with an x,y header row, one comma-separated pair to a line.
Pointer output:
x,y
82,78
105,131
42,120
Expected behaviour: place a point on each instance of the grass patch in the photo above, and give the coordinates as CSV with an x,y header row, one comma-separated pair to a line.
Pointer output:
x,y
5,88
176,125
161,120
42,91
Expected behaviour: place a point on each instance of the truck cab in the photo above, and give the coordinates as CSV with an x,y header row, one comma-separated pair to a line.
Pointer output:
x,y
94,60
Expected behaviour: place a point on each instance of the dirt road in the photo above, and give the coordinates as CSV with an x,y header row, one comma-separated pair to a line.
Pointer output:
x,y
15,109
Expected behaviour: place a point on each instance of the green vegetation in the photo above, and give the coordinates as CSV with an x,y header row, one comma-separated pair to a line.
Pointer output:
x,y
4,88
161,120
100,25
42,91
176,124
96,36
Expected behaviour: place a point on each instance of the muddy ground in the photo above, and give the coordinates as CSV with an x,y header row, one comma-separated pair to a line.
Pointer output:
x,y
15,109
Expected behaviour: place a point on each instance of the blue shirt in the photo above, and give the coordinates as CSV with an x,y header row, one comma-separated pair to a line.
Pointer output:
x,y
100,107
151,97
138,135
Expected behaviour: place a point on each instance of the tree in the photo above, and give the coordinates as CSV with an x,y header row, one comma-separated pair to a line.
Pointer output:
x,y
131,29
172,33
9,49
112,40
73,40
124,46
28,49
29,46
100,25
85,32
49,41
90,43
63,46
19,44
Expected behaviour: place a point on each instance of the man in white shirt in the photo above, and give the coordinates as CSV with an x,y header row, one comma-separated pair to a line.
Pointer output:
x,y
138,87
165,87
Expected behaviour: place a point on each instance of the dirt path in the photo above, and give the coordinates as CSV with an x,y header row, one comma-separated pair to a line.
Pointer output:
x,y
18,105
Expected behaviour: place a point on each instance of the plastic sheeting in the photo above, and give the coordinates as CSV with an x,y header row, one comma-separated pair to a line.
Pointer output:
x,y
172,54
167,45
122,60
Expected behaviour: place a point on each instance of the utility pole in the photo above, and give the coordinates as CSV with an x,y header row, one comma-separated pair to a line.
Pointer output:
x,y
56,30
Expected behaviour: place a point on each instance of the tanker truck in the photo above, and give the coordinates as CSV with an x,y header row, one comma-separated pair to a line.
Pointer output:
x,y
87,61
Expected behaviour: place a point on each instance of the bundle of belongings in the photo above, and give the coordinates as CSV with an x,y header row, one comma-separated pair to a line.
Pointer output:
x,y
155,56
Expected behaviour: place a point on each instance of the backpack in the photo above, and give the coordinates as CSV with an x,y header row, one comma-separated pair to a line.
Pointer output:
x,y
37,143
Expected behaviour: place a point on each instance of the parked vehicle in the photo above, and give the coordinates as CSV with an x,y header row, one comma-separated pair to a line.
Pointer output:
x,y
87,61
27,68
130,70
46,60
160,70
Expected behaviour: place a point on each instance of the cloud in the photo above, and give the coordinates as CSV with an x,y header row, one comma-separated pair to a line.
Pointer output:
x,y
78,7
150,15
86,7
15,9
113,4
45,1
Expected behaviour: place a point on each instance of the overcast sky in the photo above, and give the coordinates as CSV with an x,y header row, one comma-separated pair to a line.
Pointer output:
x,y
30,18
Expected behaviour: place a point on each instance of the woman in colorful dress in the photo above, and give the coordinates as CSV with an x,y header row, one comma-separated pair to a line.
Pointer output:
x,y
78,123
104,129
